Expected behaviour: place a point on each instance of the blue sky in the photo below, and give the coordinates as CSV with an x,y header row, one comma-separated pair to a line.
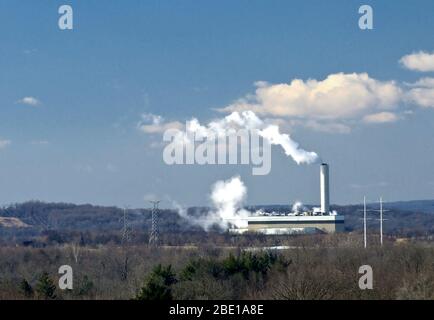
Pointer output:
x,y
183,59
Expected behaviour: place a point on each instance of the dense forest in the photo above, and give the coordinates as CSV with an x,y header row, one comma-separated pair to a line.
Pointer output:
x,y
312,270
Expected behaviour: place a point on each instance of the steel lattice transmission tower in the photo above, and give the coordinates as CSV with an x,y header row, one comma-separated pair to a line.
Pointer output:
x,y
126,230
154,236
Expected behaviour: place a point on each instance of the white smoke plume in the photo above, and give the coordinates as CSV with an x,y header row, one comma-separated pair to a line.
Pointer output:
x,y
291,148
249,121
298,207
227,199
228,196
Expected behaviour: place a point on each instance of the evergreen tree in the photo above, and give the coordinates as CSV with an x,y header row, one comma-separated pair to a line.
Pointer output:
x,y
86,286
158,284
45,287
26,289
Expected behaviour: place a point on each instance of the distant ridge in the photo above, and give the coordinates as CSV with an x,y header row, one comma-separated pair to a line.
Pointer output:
x,y
423,206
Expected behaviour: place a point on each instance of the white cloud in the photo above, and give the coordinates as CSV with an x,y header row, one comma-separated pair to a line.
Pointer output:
x,y
149,197
30,101
30,51
419,61
245,120
381,117
422,93
40,142
84,168
152,123
424,82
328,127
333,105
4,143
338,97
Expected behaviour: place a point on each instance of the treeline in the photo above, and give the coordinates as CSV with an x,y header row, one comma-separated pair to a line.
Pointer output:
x,y
140,272
59,223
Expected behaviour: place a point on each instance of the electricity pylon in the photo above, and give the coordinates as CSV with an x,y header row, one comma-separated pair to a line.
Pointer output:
x,y
126,230
154,236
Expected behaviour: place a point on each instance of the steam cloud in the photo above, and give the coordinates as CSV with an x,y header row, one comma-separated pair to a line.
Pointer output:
x,y
291,148
249,121
228,196
298,207
227,199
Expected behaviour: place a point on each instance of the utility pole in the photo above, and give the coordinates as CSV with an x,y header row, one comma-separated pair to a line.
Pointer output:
x,y
365,210
381,221
364,221
154,236
365,227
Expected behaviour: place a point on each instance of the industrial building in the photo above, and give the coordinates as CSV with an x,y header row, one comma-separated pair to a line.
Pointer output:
x,y
305,221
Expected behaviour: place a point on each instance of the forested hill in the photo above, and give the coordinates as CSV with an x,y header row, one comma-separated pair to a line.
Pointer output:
x,y
425,206
32,218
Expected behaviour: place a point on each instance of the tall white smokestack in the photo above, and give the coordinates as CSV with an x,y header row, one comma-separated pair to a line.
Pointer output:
x,y
325,194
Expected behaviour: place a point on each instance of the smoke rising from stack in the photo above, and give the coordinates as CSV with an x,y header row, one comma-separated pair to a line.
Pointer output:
x,y
228,197
246,120
291,148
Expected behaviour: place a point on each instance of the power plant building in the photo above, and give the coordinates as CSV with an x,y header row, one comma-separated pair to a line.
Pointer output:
x,y
317,220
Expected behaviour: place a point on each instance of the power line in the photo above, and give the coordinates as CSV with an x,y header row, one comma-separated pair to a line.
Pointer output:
x,y
381,211
365,240
365,210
